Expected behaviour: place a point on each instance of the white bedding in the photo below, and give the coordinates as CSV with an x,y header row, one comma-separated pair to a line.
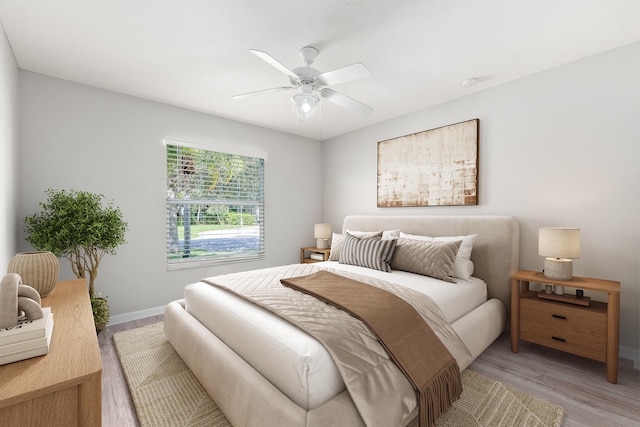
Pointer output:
x,y
289,358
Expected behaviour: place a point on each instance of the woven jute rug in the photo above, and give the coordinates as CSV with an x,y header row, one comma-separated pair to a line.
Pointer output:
x,y
166,393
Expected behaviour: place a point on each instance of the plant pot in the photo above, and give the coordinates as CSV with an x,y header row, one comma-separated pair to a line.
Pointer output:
x,y
38,269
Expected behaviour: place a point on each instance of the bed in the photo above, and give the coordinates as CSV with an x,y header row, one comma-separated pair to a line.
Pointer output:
x,y
262,371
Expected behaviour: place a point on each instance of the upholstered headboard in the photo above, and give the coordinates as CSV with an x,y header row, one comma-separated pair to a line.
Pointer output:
x,y
495,250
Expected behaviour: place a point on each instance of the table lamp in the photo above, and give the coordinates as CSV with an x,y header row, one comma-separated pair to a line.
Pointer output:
x,y
322,232
559,245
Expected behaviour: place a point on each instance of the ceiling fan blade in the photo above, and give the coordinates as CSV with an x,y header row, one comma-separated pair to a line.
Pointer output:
x,y
345,74
345,102
260,92
274,63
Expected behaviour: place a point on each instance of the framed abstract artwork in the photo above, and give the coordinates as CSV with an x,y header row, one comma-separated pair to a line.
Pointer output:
x,y
436,167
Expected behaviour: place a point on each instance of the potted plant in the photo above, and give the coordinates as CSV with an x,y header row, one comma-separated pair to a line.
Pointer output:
x,y
77,226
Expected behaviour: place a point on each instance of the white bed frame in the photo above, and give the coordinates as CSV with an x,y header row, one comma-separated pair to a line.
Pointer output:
x,y
248,399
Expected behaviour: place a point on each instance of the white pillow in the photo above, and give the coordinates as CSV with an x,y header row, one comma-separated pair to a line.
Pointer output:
x,y
463,266
390,234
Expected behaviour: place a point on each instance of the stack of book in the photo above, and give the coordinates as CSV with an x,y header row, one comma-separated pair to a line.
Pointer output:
x,y
29,338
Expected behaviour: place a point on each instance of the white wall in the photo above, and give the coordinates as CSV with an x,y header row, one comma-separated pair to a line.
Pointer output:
x,y
83,138
8,143
558,148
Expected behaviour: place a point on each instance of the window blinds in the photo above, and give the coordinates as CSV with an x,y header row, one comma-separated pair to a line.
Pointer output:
x,y
215,206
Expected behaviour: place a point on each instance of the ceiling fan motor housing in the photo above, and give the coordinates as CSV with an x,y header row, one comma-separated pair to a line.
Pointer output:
x,y
306,76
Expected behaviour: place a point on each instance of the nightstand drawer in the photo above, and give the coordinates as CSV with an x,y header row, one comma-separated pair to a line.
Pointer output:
x,y
564,339
585,320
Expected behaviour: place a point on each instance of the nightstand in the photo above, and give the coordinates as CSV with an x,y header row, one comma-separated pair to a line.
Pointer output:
x,y
590,331
305,254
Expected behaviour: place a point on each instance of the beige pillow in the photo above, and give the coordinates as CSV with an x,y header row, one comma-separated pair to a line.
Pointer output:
x,y
426,257
463,266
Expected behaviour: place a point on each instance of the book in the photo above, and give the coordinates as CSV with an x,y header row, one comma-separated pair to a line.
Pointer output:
x,y
26,329
28,344
316,256
30,348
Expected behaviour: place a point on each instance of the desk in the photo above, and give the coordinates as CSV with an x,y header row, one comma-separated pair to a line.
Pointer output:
x,y
62,388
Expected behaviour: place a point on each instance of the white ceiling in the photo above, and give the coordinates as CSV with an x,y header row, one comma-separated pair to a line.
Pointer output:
x,y
195,54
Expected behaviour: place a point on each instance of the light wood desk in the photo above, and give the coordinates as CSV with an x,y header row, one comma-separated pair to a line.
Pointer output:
x,y
62,388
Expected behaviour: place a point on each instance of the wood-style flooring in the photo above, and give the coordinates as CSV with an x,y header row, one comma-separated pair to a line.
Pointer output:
x,y
577,384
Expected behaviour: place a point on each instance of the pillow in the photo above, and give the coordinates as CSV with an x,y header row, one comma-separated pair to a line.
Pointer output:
x,y
390,234
426,257
337,241
370,253
366,234
463,267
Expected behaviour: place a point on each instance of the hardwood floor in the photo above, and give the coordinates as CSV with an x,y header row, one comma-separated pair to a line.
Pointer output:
x,y
577,384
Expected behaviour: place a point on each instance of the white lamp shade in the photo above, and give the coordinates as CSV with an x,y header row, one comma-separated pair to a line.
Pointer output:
x,y
322,231
559,242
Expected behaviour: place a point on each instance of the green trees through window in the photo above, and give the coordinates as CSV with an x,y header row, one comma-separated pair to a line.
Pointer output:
x,y
215,206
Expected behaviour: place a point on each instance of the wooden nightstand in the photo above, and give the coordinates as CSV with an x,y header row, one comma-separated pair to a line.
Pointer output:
x,y
305,253
590,331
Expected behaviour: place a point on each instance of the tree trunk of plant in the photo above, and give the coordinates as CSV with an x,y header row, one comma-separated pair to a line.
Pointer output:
x,y
92,279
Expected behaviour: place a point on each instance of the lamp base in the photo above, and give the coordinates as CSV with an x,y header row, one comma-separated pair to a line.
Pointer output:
x,y
558,268
322,243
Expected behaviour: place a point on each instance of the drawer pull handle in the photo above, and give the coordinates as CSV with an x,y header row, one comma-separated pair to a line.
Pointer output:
x,y
559,339
557,316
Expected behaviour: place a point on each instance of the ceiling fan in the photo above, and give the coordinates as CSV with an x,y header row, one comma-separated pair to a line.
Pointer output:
x,y
312,84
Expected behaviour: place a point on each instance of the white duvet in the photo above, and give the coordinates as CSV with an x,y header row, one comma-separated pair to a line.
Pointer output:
x,y
288,357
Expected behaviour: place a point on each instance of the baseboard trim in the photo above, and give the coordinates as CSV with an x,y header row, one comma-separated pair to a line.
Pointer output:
x,y
631,354
135,315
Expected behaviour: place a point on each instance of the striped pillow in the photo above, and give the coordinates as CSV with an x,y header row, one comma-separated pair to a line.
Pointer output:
x,y
370,253
337,241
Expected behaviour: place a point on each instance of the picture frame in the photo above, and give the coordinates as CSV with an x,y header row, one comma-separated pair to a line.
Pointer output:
x,y
436,167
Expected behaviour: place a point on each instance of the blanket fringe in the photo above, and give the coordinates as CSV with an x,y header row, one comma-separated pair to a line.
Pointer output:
x,y
437,397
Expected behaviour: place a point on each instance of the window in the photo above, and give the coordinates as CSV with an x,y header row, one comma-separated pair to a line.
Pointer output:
x,y
215,205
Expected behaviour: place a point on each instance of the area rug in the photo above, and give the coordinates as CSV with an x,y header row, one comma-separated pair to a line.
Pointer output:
x,y
166,393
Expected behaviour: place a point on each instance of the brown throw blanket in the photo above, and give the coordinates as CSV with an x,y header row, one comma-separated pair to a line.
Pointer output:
x,y
410,342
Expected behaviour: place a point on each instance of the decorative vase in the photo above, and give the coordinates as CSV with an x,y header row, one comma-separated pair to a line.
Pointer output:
x,y
38,269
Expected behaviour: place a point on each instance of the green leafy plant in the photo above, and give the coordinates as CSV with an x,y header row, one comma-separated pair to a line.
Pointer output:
x,y
100,309
76,225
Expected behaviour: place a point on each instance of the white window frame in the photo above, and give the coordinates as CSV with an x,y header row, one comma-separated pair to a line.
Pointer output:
x,y
174,263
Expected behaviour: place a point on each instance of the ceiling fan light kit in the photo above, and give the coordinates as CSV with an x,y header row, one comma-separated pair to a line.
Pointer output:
x,y
305,102
312,84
